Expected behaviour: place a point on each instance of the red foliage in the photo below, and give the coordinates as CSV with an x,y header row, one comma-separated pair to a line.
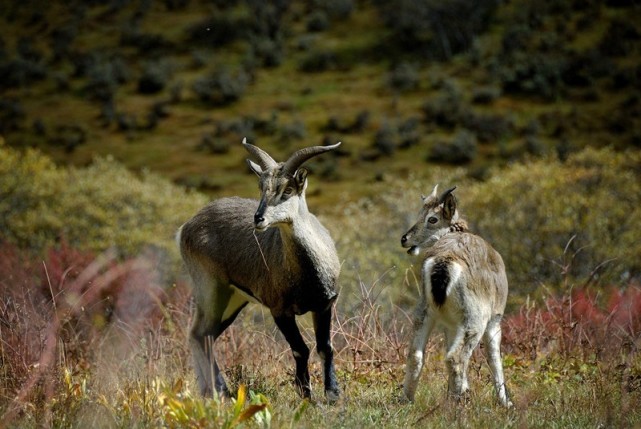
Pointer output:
x,y
60,307
576,323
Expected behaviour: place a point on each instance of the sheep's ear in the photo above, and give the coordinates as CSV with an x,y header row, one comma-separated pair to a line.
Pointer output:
x,y
300,177
449,206
254,167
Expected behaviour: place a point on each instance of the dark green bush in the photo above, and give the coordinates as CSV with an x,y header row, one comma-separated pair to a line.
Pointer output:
x,y
385,139
487,127
11,114
222,87
270,52
435,28
318,61
104,75
461,149
19,72
155,77
339,9
447,109
146,43
408,132
218,30
317,21
404,77
533,74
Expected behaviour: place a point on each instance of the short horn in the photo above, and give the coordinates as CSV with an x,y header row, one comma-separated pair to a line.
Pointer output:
x,y
446,193
262,157
302,155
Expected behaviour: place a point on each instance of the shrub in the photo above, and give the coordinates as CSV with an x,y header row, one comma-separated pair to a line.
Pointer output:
x,y
336,124
317,21
577,323
384,140
531,212
487,127
485,95
104,75
220,29
534,74
447,109
461,149
292,131
408,132
68,313
269,51
93,208
11,114
318,61
154,78
583,69
146,43
435,28
214,145
404,77
68,137
339,9
620,38
20,72
222,87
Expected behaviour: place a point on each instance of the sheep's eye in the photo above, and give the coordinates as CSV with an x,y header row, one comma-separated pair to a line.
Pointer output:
x,y
288,191
432,220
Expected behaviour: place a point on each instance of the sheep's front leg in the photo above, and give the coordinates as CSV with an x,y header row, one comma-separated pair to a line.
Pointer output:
x,y
322,328
289,328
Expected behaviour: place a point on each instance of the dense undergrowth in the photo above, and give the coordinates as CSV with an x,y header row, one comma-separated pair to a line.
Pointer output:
x,y
102,344
94,208
94,331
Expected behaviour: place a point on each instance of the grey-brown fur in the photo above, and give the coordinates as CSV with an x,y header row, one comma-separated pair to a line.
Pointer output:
x,y
464,291
272,251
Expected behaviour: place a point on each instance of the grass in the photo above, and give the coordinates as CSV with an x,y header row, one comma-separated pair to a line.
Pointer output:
x,y
101,342
134,369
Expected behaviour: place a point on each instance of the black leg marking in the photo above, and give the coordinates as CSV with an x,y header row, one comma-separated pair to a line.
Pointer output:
x,y
440,278
322,328
287,325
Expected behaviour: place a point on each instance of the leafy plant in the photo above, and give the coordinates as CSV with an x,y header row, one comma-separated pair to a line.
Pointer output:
x,y
96,208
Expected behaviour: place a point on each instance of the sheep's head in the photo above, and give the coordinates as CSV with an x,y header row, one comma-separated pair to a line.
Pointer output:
x,y
435,218
282,184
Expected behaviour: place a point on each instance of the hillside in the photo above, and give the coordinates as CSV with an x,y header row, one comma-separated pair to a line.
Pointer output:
x,y
119,119
174,86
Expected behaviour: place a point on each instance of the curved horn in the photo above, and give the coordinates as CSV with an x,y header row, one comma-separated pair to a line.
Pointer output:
x,y
446,193
302,155
262,157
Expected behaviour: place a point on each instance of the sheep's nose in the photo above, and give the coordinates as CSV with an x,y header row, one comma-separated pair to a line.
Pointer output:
x,y
404,239
258,219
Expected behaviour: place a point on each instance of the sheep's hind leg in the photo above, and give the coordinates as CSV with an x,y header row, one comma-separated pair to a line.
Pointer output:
x,y
220,310
423,325
492,340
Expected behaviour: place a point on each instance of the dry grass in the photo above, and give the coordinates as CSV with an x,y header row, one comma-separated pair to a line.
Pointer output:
x,y
101,344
